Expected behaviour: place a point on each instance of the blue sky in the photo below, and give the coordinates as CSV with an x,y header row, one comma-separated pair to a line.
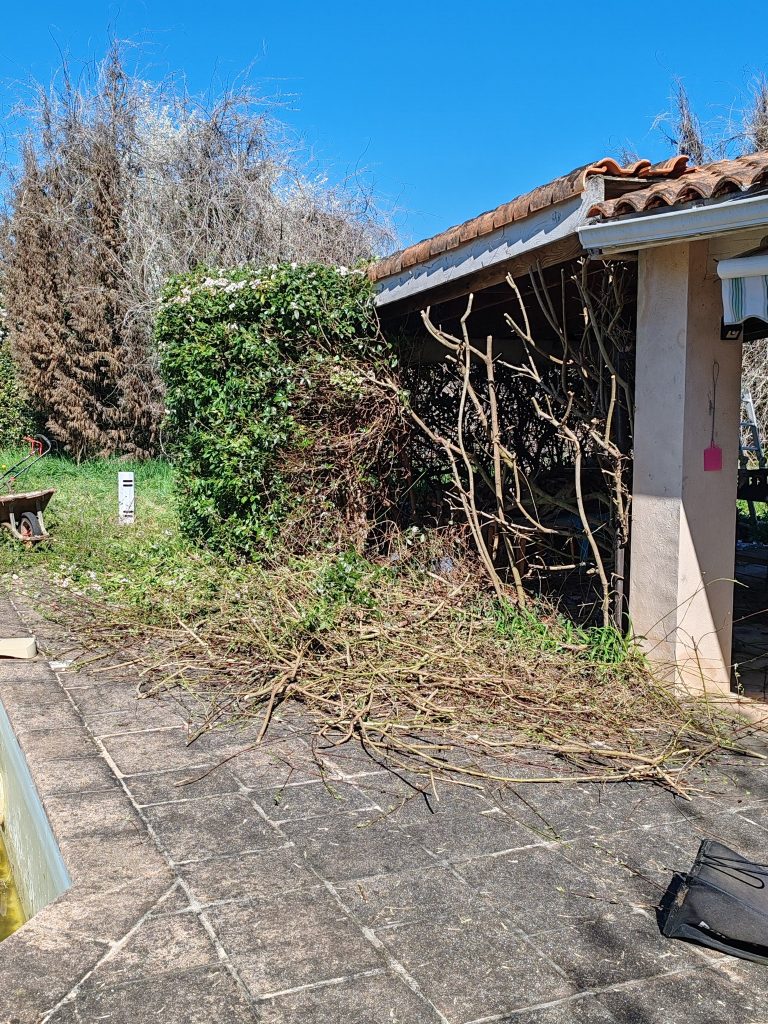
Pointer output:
x,y
451,108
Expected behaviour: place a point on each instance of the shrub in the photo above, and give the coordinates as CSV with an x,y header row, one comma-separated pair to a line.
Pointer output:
x,y
278,427
15,419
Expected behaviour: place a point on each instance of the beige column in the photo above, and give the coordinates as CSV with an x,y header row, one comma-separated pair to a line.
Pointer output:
x,y
683,518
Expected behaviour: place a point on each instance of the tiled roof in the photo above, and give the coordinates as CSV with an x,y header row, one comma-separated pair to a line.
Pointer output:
x,y
540,198
670,183
710,181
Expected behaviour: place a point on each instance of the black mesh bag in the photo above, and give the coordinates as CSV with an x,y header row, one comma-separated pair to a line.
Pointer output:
x,y
721,903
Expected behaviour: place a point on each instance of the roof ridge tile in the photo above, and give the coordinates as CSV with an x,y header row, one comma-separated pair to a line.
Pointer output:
x,y
708,181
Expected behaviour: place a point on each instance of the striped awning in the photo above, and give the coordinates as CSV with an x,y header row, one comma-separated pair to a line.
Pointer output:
x,y
745,288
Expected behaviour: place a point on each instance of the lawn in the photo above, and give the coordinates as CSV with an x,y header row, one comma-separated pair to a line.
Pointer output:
x,y
141,564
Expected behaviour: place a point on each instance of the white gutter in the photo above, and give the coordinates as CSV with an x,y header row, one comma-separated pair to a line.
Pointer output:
x,y
644,230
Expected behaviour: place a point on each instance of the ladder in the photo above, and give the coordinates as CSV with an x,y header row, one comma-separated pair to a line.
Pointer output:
x,y
750,433
750,445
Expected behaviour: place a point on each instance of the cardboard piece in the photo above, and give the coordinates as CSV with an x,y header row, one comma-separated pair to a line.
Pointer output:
x,y
18,647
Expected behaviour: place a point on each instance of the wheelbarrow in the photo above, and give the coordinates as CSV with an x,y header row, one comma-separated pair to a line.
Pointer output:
x,y
22,514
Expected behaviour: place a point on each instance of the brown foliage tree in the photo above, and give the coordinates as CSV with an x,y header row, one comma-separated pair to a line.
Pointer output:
x,y
124,184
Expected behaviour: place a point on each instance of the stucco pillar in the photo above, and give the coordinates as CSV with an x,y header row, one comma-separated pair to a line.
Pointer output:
x,y
683,518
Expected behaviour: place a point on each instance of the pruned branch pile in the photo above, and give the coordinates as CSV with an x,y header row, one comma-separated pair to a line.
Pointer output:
x,y
420,669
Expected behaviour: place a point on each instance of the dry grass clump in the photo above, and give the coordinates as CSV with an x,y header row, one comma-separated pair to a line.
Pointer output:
x,y
423,668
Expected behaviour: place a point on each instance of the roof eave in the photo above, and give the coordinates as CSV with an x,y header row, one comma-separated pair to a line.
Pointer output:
x,y
664,227
492,253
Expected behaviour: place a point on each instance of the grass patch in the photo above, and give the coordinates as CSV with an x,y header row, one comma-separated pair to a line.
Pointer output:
x,y
539,629
415,664
148,565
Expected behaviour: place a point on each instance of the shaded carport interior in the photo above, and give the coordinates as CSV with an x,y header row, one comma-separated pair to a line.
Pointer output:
x,y
546,232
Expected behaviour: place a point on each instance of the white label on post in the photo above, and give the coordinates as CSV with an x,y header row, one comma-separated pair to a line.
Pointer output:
x,y
126,499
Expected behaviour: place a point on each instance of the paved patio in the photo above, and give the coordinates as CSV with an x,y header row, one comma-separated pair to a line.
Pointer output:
x,y
298,885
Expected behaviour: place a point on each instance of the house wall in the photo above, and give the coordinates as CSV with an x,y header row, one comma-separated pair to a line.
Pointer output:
x,y
683,518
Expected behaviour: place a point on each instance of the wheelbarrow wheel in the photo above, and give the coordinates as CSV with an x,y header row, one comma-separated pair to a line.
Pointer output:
x,y
29,526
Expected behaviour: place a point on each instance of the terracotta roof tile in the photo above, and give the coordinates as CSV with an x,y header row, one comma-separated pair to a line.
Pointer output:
x,y
709,181
540,198
672,168
670,183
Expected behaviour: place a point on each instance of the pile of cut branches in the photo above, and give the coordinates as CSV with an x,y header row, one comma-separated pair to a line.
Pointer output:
x,y
429,673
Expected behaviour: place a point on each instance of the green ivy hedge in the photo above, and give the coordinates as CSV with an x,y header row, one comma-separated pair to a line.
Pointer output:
x,y
236,349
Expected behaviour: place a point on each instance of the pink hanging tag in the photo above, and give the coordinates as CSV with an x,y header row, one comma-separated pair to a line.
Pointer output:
x,y
713,459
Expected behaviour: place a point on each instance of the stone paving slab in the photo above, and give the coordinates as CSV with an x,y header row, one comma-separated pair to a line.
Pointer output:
x,y
366,999
343,846
565,894
475,966
298,883
247,875
292,939
196,997
434,893
181,784
198,829
694,997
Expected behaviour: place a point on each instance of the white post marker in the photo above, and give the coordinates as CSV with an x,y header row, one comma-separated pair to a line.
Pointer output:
x,y
126,499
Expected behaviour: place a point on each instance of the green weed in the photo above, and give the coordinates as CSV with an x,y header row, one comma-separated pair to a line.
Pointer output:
x,y
539,629
343,580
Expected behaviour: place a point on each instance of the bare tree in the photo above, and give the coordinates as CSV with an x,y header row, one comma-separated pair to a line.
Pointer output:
x,y
743,130
123,184
682,128
689,137
756,116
